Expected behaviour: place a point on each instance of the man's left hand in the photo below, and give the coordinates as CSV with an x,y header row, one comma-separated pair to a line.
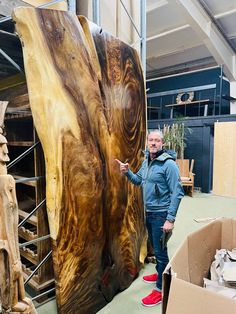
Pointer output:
x,y
168,226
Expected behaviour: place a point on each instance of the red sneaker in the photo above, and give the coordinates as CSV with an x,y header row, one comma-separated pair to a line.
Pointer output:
x,y
150,278
152,299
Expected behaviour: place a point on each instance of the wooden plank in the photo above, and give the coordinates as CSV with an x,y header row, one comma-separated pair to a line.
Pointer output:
x,y
29,255
27,234
18,143
21,101
35,285
11,82
87,112
224,164
32,219
183,167
12,87
17,116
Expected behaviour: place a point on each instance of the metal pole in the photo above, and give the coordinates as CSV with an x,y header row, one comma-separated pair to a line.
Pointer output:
x,y
33,211
96,12
72,6
39,265
11,164
5,19
28,179
11,60
143,35
221,84
131,19
42,294
8,34
34,241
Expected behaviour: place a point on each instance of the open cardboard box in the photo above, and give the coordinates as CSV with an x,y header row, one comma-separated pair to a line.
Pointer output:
x,y
183,277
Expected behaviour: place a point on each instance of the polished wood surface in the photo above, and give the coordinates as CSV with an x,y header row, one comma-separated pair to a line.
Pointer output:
x,y
87,97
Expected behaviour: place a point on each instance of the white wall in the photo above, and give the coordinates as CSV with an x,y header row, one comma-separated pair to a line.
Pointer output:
x,y
233,94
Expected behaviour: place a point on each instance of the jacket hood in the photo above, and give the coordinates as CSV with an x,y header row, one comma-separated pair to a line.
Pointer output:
x,y
172,153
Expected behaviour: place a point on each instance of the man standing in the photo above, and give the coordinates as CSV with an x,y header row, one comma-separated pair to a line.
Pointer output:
x,y
162,193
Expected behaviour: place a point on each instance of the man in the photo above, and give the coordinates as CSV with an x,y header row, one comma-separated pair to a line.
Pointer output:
x,y
162,193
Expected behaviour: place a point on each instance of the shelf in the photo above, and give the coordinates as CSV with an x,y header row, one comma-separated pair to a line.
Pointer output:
x,y
18,116
23,143
27,272
31,181
27,234
206,101
29,254
33,219
38,287
30,189
153,108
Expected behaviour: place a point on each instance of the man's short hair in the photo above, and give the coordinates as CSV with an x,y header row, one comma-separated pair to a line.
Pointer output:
x,y
159,132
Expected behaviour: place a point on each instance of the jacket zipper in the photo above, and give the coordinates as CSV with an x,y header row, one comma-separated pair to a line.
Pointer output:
x,y
149,166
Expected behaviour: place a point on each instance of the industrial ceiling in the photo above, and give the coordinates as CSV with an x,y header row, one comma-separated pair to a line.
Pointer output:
x,y
182,35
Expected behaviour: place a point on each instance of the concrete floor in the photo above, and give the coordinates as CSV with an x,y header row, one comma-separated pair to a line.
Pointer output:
x,y
200,206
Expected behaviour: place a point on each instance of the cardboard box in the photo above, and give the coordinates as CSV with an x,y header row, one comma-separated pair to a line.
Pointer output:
x,y
183,277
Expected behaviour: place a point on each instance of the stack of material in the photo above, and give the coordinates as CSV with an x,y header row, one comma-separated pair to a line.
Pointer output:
x,y
223,273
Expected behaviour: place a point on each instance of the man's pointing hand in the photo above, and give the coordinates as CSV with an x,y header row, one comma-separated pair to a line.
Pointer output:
x,y
123,167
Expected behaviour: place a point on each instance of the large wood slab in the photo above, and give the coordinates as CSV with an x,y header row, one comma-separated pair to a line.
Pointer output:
x,y
87,99
121,84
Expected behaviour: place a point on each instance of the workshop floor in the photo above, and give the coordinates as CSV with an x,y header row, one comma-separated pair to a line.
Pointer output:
x,y
200,206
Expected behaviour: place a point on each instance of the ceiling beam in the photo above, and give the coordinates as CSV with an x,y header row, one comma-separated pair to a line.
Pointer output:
x,y
175,51
6,6
208,32
156,5
232,35
177,29
225,13
170,31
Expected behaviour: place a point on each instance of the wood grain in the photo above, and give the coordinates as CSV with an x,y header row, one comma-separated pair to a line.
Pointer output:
x,y
87,99
122,90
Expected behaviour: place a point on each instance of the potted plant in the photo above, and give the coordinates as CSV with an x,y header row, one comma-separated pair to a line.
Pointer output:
x,y
174,138
175,143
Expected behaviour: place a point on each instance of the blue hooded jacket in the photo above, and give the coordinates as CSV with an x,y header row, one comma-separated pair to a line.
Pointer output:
x,y
161,185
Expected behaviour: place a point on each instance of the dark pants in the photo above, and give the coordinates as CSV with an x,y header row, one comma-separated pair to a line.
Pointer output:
x,y
154,222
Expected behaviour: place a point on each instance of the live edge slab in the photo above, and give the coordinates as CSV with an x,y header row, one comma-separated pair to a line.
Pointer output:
x,y
87,98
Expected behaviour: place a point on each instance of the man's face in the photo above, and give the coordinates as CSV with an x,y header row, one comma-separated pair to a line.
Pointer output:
x,y
154,142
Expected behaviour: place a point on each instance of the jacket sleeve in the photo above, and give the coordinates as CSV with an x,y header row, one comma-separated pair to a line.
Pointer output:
x,y
135,178
175,187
